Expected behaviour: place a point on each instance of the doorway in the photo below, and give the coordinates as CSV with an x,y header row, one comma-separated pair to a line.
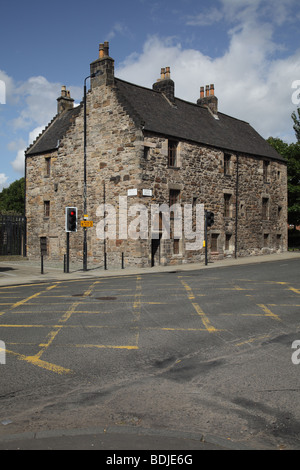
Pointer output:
x,y
155,251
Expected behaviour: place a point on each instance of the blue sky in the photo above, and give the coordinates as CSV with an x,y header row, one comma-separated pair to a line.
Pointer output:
x,y
250,50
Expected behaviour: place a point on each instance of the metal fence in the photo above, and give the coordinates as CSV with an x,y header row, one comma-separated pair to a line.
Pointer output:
x,y
12,235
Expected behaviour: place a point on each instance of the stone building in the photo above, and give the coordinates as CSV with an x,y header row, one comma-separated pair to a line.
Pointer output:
x,y
144,148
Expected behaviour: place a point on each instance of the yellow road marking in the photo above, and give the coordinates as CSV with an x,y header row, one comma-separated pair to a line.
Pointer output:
x,y
189,290
268,312
43,364
22,302
297,291
252,340
198,309
36,359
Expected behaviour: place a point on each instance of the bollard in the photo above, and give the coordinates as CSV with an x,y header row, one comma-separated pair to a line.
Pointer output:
x,y
122,260
42,264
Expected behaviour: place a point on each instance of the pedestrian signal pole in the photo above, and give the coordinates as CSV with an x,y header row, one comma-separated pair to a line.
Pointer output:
x,y
70,226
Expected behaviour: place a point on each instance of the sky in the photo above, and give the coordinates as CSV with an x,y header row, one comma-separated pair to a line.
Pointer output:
x,y
249,49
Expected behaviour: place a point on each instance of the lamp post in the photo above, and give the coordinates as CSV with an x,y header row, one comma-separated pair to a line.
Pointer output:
x,y
99,72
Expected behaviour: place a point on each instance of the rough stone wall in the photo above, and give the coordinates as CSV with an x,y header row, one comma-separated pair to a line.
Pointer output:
x,y
117,162
200,178
114,146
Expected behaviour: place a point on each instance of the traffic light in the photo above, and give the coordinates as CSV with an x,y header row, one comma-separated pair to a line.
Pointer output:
x,y
71,219
210,218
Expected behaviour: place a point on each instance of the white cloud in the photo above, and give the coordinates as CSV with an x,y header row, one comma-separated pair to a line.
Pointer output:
x,y
19,162
250,82
38,99
118,28
3,181
6,88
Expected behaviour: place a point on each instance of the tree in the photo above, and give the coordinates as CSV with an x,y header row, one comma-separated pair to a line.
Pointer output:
x,y
12,199
291,152
296,125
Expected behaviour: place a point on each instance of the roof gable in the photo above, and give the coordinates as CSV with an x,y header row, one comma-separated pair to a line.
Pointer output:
x,y
49,139
180,119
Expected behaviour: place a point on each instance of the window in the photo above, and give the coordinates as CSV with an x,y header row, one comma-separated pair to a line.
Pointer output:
x,y
265,208
227,159
279,211
266,170
176,246
227,199
48,166
278,242
266,240
172,153
146,152
227,241
174,196
46,208
214,242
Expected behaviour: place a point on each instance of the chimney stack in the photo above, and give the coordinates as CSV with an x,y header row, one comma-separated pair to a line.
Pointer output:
x,y
102,70
165,85
209,100
64,102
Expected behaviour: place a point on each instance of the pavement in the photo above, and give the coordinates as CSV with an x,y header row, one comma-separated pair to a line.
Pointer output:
x,y
23,271
115,439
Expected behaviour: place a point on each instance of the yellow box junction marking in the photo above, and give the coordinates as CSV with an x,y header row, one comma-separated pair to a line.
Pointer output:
x,y
198,309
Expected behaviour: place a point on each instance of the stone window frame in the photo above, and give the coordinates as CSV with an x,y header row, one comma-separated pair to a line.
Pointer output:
x,y
46,209
266,240
227,164
214,247
228,242
227,201
266,171
279,241
47,167
172,153
265,207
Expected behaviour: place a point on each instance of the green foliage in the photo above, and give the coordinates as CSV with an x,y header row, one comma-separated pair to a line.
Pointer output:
x,y
291,152
12,198
296,125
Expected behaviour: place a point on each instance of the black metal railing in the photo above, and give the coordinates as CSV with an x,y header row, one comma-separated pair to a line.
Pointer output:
x,y
12,235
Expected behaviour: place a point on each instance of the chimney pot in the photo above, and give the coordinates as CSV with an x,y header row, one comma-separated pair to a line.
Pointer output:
x,y
106,49
209,100
165,85
64,102
102,70
101,51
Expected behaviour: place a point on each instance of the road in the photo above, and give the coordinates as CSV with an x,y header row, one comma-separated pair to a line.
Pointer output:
x,y
196,351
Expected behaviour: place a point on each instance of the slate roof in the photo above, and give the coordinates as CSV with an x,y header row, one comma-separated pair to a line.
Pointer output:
x,y
184,121
191,122
49,139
